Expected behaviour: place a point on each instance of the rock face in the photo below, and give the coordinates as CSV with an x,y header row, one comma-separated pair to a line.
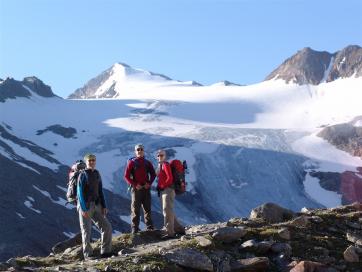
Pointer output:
x,y
346,136
305,67
38,86
271,213
347,62
261,249
308,66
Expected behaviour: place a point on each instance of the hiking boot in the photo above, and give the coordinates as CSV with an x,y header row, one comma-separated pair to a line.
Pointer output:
x,y
150,228
90,258
135,230
181,232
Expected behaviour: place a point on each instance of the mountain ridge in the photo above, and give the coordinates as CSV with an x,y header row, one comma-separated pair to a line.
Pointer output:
x,y
309,66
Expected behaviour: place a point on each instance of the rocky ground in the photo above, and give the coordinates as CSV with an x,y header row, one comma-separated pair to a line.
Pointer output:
x,y
271,239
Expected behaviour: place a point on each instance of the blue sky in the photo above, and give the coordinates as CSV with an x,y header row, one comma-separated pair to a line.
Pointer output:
x,y
66,43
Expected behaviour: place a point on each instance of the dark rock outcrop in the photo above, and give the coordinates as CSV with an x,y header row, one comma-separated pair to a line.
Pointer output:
x,y
11,88
347,63
38,86
66,132
346,137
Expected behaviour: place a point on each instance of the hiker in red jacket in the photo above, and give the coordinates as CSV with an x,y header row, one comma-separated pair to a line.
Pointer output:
x,y
167,196
140,174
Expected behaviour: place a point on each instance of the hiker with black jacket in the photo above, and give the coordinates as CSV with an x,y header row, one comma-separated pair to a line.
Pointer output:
x,y
92,208
140,174
167,196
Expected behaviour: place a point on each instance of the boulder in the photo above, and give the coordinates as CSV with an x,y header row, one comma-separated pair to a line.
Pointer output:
x,y
272,213
229,234
258,247
73,253
202,241
308,266
256,264
316,219
283,248
220,260
350,255
189,258
301,221
354,238
249,245
62,246
284,233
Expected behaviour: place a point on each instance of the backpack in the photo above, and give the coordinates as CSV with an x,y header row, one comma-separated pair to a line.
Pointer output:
x,y
74,172
178,169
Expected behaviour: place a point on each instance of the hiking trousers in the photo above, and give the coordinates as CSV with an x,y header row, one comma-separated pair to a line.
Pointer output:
x,y
170,221
101,222
141,198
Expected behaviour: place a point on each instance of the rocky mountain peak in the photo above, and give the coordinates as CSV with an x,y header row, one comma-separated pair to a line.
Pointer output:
x,y
38,86
347,63
309,66
11,88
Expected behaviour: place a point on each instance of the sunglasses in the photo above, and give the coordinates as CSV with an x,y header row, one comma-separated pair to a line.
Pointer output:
x,y
139,149
92,160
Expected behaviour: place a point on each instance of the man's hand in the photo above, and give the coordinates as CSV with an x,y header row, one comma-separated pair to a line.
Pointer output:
x,y
104,212
138,187
85,214
147,186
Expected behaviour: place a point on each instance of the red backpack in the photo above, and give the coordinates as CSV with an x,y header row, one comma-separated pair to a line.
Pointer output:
x,y
178,169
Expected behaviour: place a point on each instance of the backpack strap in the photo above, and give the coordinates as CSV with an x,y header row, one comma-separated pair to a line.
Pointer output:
x,y
136,164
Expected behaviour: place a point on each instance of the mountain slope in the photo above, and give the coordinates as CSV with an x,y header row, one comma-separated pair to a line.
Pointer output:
x,y
313,240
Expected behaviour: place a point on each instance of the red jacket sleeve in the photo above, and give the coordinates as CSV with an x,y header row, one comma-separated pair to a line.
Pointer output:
x,y
169,177
127,173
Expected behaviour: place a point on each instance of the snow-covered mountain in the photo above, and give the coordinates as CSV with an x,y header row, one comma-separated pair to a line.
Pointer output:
x,y
245,145
113,82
